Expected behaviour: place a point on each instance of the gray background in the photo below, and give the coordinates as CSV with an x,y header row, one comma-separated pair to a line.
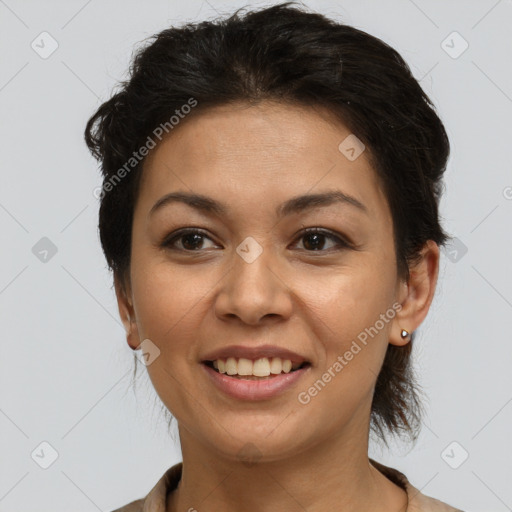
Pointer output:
x,y
65,368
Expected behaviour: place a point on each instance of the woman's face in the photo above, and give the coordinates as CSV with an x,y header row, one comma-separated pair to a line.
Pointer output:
x,y
251,279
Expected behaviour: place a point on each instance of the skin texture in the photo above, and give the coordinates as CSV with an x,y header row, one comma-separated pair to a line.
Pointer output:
x,y
314,302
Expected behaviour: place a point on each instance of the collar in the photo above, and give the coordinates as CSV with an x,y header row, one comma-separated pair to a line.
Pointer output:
x,y
156,499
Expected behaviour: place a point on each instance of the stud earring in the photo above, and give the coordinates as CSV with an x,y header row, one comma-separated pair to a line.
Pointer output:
x,y
404,334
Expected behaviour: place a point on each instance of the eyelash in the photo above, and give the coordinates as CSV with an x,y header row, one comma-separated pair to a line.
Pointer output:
x,y
341,243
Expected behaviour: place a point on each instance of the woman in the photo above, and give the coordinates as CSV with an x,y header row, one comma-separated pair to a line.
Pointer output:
x,y
269,211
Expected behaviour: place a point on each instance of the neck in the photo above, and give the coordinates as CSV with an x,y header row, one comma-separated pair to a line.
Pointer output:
x,y
335,473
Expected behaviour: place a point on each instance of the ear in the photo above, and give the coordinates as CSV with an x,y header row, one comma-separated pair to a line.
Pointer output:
x,y
416,295
127,312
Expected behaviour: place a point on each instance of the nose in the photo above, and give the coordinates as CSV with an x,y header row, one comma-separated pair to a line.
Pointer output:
x,y
254,290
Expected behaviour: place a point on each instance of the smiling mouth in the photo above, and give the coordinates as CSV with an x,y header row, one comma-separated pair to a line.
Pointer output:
x,y
257,369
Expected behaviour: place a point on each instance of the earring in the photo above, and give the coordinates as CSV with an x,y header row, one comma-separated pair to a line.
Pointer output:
x,y
404,334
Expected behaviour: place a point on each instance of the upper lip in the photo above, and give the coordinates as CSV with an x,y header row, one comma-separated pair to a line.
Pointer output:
x,y
238,351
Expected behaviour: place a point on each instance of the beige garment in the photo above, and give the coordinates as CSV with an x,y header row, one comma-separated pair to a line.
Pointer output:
x,y
155,501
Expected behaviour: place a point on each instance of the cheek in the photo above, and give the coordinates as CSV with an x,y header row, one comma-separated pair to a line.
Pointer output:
x,y
350,300
167,292
348,318
351,352
168,300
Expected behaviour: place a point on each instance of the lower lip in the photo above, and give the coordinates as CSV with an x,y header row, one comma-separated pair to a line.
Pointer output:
x,y
254,389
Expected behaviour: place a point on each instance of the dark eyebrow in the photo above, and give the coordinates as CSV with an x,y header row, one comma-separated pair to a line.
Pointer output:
x,y
295,205
301,203
200,202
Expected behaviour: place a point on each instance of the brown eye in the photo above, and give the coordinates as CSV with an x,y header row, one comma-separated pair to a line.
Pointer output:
x,y
315,240
190,240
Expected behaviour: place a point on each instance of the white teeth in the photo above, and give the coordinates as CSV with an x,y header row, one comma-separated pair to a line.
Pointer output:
x,y
287,366
276,365
244,366
262,367
231,366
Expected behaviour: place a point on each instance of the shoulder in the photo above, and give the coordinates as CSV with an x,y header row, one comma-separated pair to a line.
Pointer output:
x,y
134,506
422,503
156,499
418,502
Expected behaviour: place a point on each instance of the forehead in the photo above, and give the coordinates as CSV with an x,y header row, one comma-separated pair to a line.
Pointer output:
x,y
251,153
